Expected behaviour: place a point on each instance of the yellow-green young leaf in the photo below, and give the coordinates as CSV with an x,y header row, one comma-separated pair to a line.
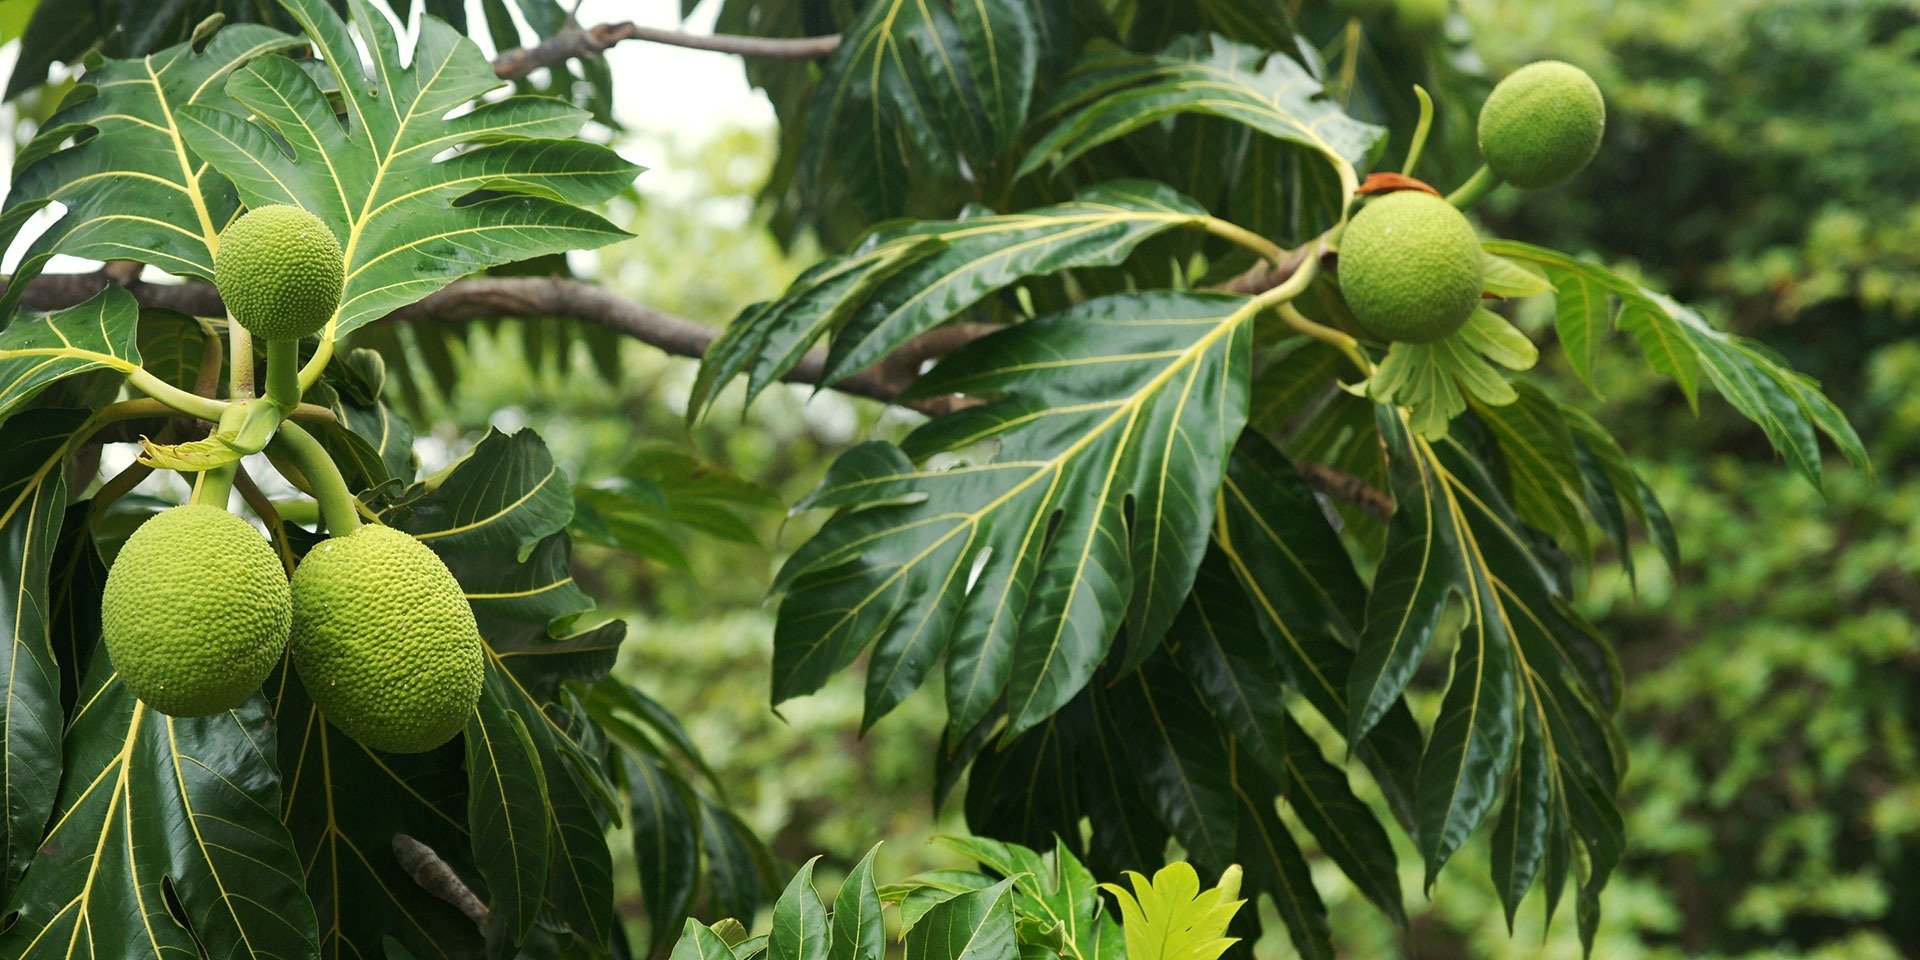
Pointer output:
x,y
37,350
1021,566
1171,918
1509,280
131,189
1433,380
417,198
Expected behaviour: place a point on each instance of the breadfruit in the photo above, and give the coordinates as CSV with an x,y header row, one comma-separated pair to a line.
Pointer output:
x,y
195,612
1420,17
1410,267
385,641
1542,124
280,271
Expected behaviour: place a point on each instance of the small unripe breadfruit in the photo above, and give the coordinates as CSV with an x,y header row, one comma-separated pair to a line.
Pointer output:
x,y
1542,124
280,271
385,641
1410,267
1421,17
195,612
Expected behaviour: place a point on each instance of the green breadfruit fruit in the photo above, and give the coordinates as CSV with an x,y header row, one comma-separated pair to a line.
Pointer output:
x,y
280,271
1421,17
1411,267
1542,124
195,612
385,641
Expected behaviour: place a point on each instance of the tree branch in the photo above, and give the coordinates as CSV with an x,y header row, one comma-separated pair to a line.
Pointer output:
x,y
592,41
483,298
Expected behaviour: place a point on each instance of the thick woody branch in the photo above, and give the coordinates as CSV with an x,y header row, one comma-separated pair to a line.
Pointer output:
x,y
485,298
574,43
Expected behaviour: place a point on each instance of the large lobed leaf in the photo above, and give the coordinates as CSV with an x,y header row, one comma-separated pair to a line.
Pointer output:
x,y
905,280
1678,342
1270,93
419,189
1020,566
38,351
919,89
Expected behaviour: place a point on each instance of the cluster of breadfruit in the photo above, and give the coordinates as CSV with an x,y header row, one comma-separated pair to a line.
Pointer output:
x,y
1410,264
198,609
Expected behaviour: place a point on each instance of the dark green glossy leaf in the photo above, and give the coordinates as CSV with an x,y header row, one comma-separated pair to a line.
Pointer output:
x,y
507,813
1181,760
905,280
33,495
155,807
1274,862
666,846
915,89
1267,92
1122,401
1542,464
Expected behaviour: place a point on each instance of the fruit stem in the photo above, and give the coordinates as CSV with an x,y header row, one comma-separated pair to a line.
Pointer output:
x,y
310,374
240,371
1477,186
283,374
338,508
1236,233
1348,346
212,486
1420,131
191,404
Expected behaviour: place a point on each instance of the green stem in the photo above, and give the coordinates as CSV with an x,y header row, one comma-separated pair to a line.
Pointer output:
x,y
337,504
283,374
213,485
310,374
1477,186
1244,237
174,398
297,511
1347,345
1420,131
240,371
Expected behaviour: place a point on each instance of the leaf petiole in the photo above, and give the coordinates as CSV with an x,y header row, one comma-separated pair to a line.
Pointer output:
x,y
176,399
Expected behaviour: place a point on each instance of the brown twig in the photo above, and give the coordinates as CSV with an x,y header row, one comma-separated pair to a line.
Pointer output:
x,y
1341,485
436,877
592,41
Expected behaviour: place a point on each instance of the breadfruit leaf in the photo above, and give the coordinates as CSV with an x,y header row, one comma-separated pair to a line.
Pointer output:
x,y
906,280
421,182
39,350
1270,93
33,492
113,155
1434,380
1111,424
156,809
925,86
1677,341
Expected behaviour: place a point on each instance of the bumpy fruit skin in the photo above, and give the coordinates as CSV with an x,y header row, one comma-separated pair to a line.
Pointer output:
x,y
195,612
1410,267
385,641
280,271
1542,124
